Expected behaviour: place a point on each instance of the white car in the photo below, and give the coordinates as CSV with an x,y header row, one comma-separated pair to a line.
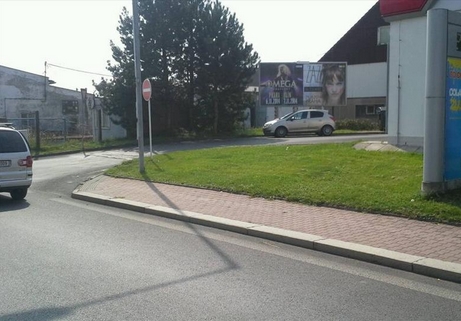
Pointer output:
x,y
15,163
302,121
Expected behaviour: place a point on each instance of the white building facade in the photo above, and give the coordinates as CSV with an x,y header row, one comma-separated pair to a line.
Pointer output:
x,y
407,73
23,95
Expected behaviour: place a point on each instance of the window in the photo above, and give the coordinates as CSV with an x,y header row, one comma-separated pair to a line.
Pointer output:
x,y
299,116
27,120
70,107
316,114
11,142
371,110
366,111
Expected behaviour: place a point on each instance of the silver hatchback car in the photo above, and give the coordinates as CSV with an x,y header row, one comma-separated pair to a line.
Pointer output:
x,y
15,163
302,121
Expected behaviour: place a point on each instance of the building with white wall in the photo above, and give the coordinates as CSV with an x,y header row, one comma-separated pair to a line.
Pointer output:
x,y
366,76
407,67
24,94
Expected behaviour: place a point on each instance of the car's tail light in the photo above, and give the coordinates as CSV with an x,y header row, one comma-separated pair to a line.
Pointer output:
x,y
26,162
332,118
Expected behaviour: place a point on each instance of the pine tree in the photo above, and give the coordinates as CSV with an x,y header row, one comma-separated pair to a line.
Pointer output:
x,y
195,54
227,64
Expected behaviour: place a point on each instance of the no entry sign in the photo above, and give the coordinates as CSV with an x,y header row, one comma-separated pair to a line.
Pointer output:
x,y
146,89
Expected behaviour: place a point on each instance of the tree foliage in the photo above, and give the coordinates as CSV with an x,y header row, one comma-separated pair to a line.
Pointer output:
x,y
196,57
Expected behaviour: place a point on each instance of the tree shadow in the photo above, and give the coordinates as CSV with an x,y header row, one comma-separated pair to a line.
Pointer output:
x,y
229,262
53,313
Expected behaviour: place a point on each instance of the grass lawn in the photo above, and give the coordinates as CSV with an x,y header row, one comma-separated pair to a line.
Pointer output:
x,y
76,145
333,175
57,146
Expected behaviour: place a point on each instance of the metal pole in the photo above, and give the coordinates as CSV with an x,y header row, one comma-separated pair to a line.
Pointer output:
x,y
434,138
150,128
37,133
137,71
99,113
44,92
65,129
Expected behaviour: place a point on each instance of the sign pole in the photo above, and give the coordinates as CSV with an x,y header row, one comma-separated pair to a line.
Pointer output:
x,y
147,94
137,72
150,127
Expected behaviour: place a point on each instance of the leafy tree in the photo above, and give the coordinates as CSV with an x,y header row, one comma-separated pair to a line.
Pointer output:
x,y
161,40
119,94
227,64
198,62
193,13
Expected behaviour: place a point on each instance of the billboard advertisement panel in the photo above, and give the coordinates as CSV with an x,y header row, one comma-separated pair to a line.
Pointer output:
x,y
303,84
453,120
324,84
281,84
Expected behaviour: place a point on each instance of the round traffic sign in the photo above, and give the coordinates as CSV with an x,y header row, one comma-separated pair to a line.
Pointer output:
x,y
146,89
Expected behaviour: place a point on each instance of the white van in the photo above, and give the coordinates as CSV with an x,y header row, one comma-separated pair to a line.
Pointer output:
x,y
15,163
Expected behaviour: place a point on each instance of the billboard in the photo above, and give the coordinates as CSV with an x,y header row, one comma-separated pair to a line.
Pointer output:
x,y
281,84
303,84
324,84
453,120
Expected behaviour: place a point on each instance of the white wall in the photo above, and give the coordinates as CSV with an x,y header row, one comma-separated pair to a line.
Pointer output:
x,y
407,81
22,92
447,4
407,77
366,80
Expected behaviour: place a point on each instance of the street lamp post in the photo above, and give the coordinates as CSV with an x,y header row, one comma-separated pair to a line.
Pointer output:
x,y
137,72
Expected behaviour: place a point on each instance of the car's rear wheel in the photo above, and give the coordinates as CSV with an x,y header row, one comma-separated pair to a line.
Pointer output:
x,y
18,194
281,132
326,130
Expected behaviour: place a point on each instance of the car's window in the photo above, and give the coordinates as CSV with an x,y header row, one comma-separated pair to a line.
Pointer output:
x,y
296,116
301,115
11,142
316,114
286,116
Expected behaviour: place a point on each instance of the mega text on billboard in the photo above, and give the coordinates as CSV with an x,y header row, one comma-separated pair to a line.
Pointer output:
x,y
281,84
303,84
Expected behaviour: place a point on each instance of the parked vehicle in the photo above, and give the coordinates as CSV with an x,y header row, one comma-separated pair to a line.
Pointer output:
x,y
302,121
15,162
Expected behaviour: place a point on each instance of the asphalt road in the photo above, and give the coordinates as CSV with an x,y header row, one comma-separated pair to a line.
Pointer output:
x,y
250,141
64,259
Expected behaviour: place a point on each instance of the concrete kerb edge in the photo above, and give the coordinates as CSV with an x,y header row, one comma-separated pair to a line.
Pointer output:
x,y
438,269
369,254
411,263
202,219
90,197
285,236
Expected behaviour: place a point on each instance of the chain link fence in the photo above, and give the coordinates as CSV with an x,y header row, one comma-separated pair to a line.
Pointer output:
x,y
42,132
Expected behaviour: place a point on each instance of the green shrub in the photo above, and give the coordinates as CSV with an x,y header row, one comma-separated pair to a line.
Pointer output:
x,y
357,124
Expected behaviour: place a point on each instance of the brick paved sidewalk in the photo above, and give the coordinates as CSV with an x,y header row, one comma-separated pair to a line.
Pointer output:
x,y
429,240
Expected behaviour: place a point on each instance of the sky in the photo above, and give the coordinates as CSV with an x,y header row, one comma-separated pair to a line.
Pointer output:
x,y
73,36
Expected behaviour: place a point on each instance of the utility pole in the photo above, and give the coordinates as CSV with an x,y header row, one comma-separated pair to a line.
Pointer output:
x,y
137,72
45,84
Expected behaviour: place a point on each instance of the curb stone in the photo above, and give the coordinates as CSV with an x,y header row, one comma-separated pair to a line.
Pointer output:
x,y
411,263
